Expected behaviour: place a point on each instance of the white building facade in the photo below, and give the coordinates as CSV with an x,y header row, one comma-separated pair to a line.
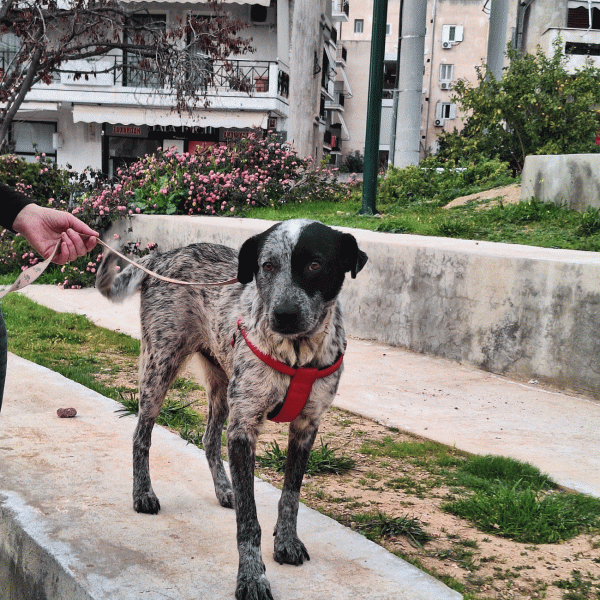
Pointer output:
x,y
105,121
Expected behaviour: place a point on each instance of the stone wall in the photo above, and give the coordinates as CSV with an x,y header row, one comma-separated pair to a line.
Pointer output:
x,y
569,179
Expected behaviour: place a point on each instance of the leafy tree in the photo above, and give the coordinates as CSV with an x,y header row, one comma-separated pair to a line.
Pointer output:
x,y
537,107
43,38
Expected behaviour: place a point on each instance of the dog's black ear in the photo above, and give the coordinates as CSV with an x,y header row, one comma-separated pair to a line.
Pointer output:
x,y
353,258
248,260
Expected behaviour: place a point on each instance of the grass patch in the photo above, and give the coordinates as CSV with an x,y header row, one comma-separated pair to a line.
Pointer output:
x,y
379,525
174,413
531,222
55,340
514,500
579,586
422,452
321,460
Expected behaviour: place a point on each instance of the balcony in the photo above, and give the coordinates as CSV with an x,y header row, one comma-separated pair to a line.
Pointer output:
x,y
242,85
341,55
341,11
578,45
337,103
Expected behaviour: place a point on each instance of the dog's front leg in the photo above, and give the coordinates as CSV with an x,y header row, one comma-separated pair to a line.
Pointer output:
x,y
288,547
252,583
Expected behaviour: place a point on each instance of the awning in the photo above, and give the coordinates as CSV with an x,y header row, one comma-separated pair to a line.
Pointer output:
x,y
345,78
38,106
261,2
135,115
583,4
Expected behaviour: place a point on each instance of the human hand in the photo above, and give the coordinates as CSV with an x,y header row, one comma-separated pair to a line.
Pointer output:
x,y
43,228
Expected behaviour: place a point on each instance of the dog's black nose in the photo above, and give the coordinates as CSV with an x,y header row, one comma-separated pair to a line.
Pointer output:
x,y
286,318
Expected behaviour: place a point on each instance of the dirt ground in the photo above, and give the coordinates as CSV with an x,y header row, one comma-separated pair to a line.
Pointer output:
x,y
479,565
509,194
487,566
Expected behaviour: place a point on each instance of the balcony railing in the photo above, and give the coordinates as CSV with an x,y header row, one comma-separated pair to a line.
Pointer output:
x,y
341,10
251,77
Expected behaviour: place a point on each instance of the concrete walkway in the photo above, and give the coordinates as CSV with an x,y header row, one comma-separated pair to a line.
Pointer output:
x,y
66,521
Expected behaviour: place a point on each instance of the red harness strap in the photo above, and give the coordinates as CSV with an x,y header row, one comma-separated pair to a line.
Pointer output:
x,y
303,379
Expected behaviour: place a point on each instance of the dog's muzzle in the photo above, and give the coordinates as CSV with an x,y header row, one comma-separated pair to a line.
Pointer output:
x,y
287,319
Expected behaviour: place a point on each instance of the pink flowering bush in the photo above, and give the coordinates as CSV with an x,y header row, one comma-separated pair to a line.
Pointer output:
x,y
225,180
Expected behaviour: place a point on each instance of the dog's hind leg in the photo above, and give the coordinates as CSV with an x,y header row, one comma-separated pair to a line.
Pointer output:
x,y
156,375
216,384
288,547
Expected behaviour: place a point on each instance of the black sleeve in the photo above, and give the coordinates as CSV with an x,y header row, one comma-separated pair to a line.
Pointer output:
x,y
11,203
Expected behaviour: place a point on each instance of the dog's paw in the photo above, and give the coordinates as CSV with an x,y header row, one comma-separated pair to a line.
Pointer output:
x,y
253,588
225,498
146,503
289,550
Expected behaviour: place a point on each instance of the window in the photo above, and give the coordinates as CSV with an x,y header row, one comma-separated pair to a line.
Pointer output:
x,y
388,29
452,33
30,138
258,13
359,25
139,70
9,46
446,72
445,111
579,14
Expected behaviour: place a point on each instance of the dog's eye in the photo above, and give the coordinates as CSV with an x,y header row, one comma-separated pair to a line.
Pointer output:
x,y
268,267
315,265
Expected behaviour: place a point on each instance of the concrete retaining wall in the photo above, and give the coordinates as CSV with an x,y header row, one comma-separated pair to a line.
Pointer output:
x,y
525,312
570,179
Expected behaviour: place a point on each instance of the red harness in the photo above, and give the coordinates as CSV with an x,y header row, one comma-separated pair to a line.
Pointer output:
x,y
301,384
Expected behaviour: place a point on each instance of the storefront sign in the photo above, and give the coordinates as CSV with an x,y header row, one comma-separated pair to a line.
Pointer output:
x,y
140,131
175,131
233,135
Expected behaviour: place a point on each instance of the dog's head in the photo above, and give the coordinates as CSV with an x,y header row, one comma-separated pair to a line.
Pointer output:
x,y
299,267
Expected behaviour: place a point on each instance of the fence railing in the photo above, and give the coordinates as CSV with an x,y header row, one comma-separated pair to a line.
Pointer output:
x,y
252,77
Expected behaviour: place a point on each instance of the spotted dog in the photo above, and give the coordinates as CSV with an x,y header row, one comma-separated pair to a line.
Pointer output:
x,y
283,314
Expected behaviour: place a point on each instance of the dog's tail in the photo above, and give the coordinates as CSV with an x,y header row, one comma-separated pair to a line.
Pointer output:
x,y
116,283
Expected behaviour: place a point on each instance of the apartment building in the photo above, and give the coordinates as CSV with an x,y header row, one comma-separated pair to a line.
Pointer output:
x,y
455,41
105,120
575,22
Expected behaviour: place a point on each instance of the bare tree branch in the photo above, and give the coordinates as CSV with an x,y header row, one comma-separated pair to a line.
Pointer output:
x,y
48,37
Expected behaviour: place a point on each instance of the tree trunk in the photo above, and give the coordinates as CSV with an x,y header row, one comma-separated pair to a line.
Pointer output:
x,y
12,107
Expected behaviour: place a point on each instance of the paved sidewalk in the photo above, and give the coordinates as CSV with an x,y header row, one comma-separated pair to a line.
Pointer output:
x,y
431,397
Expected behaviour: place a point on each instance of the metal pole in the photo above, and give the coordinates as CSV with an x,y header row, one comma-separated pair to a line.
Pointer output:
x,y
392,156
374,108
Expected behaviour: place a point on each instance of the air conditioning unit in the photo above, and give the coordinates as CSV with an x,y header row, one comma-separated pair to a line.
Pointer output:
x,y
438,122
446,85
446,45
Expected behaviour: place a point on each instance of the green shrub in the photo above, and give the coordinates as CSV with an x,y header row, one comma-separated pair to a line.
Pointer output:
x,y
440,181
355,162
87,195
